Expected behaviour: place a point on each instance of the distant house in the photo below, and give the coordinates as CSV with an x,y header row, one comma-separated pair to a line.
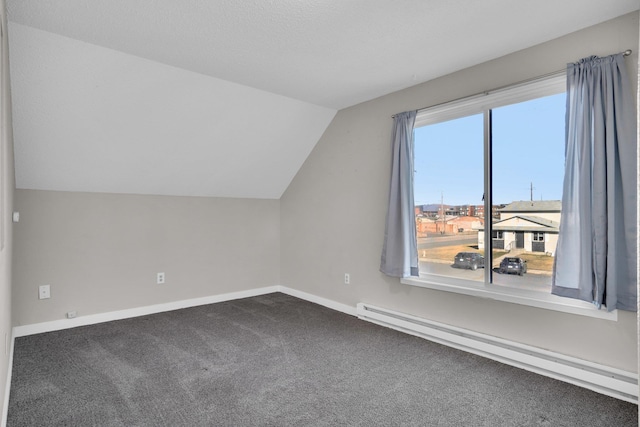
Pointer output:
x,y
467,223
528,225
439,210
429,225
449,225
495,211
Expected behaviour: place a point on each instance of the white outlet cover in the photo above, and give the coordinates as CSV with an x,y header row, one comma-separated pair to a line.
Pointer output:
x,y
44,292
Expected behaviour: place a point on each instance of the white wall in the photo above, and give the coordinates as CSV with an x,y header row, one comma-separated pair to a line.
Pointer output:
x,y
101,252
6,206
332,214
78,107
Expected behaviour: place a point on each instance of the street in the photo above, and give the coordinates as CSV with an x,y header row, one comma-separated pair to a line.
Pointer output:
x,y
436,242
536,282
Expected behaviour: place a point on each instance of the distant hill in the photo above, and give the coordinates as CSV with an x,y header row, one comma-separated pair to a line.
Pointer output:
x,y
432,207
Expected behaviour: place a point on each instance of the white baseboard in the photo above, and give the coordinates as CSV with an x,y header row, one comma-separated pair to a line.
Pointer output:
x,y
5,403
56,325
599,378
347,309
92,319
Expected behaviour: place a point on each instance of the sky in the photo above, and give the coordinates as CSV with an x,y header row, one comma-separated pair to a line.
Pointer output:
x,y
528,148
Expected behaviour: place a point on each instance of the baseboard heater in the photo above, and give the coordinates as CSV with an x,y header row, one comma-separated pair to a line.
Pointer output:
x,y
599,378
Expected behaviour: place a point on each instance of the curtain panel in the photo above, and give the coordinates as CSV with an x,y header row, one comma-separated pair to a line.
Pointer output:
x,y
399,252
596,253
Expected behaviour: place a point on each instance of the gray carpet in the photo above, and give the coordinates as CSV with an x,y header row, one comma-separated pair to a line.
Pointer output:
x,y
275,360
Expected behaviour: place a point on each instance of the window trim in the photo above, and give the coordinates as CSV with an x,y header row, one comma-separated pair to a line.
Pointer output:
x,y
551,84
482,104
511,295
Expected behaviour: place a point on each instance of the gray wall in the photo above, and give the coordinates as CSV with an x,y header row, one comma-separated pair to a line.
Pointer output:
x,y
638,129
101,252
6,205
333,212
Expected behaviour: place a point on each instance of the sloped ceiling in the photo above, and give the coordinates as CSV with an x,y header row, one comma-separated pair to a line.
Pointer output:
x,y
228,98
88,118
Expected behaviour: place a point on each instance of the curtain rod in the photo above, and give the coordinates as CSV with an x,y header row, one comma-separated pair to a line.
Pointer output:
x,y
486,92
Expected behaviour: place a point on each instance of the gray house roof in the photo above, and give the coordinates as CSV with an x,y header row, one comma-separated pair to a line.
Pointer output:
x,y
542,221
533,206
535,223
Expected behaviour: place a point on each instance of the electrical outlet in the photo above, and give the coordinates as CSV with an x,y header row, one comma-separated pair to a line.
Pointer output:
x,y
347,278
71,314
160,278
44,292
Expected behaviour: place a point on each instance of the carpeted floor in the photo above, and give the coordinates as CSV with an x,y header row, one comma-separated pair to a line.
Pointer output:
x,y
275,360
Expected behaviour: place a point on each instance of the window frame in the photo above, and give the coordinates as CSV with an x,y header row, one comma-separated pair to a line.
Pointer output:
x,y
483,103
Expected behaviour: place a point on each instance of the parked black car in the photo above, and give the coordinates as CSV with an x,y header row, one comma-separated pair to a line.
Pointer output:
x,y
513,265
471,260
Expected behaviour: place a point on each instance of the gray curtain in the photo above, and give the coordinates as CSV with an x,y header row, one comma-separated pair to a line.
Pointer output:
x,y
400,252
596,252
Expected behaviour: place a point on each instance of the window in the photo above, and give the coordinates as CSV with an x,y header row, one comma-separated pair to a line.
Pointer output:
x,y
538,237
507,151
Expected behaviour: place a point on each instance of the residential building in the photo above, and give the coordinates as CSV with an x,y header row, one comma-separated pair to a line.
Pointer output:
x,y
437,211
426,226
495,211
531,226
466,223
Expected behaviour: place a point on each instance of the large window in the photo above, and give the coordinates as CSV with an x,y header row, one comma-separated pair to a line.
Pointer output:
x,y
488,181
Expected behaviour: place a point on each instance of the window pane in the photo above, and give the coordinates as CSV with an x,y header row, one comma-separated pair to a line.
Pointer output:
x,y
528,169
448,191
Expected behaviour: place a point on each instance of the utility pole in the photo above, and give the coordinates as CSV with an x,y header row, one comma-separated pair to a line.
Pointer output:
x,y
532,191
442,210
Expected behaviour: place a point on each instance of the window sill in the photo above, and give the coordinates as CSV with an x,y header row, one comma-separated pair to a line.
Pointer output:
x,y
511,295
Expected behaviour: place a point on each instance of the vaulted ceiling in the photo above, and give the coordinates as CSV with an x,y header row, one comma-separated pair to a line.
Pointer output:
x,y
227,98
